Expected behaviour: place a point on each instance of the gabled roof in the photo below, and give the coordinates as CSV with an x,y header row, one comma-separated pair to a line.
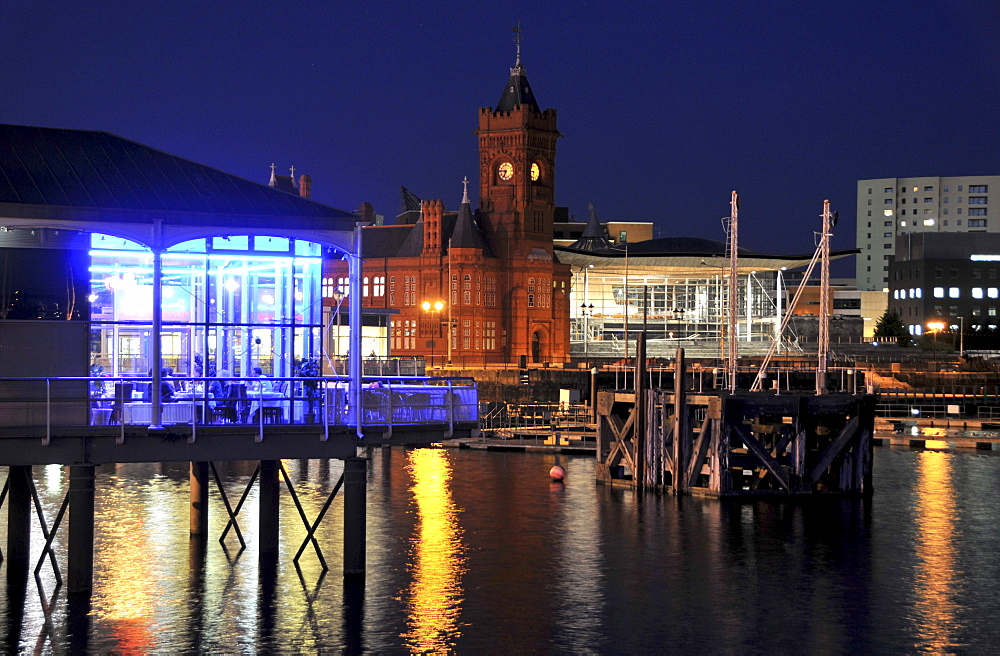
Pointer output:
x,y
89,169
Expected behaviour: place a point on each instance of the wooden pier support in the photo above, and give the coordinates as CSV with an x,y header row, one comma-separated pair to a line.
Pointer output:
x,y
355,484
736,444
80,574
18,523
199,483
270,486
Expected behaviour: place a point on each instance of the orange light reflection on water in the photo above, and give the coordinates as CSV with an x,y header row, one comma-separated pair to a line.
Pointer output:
x,y
434,598
936,577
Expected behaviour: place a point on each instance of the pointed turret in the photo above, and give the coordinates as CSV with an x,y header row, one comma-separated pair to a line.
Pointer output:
x,y
466,234
594,237
517,91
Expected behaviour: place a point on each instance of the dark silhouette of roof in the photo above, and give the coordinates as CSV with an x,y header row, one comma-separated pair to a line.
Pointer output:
x,y
89,169
517,91
409,201
594,237
465,233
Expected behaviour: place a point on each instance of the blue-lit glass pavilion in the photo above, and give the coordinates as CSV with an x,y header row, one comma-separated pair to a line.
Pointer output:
x,y
97,231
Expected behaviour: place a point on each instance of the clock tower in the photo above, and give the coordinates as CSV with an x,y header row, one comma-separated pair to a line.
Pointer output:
x,y
517,162
517,174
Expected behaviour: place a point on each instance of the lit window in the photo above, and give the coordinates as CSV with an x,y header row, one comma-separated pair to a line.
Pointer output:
x,y
887,212
977,292
991,292
953,292
920,292
928,222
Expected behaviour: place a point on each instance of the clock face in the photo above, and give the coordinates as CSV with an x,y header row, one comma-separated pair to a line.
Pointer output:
x,y
505,171
534,171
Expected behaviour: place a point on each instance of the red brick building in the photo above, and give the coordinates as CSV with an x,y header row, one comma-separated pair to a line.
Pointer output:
x,y
488,277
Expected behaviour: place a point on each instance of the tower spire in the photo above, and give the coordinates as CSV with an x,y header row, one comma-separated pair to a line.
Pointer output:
x,y
517,43
517,91
465,190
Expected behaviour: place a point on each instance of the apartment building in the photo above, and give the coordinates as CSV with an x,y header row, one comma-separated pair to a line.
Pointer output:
x,y
889,207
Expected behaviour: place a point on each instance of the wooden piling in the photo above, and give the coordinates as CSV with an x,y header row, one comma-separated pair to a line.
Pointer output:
x,y
18,522
269,513
355,489
736,444
199,484
80,570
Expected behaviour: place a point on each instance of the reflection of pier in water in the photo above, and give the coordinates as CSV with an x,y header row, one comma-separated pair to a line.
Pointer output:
x,y
51,425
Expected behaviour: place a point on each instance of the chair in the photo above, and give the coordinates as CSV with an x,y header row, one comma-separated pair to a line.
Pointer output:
x,y
234,406
268,416
123,394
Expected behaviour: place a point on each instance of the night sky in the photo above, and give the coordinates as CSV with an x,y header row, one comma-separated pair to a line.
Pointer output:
x,y
664,107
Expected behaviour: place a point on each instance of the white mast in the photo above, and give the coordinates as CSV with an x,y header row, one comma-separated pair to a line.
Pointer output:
x,y
732,302
823,346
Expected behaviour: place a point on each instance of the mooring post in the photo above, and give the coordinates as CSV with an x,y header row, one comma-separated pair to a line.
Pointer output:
x,y
270,486
639,423
199,500
355,483
80,574
18,523
682,451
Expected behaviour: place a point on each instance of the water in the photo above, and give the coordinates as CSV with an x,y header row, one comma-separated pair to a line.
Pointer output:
x,y
476,552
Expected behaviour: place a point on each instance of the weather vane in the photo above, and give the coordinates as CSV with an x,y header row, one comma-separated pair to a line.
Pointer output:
x,y
517,42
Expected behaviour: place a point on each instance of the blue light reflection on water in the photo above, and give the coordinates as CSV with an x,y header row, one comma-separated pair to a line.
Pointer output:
x,y
474,551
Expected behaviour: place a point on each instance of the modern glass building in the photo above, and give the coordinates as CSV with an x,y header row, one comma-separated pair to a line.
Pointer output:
x,y
229,303
115,256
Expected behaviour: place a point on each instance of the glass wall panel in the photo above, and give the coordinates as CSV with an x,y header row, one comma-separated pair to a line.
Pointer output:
x,y
224,306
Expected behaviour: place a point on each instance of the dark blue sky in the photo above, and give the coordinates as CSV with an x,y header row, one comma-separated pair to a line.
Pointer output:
x,y
665,107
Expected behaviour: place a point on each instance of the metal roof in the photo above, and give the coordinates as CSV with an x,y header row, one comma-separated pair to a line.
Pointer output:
x,y
88,169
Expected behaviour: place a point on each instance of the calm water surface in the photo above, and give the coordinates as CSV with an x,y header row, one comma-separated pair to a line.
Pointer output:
x,y
479,552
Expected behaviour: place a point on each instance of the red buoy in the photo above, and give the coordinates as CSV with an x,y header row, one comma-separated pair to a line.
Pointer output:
x,y
557,473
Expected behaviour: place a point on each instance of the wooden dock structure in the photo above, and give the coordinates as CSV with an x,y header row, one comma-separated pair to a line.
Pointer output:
x,y
740,444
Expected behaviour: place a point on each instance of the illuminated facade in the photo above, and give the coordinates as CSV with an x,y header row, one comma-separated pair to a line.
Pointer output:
x,y
504,293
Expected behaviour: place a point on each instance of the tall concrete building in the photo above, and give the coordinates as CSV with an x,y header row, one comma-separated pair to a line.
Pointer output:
x,y
888,207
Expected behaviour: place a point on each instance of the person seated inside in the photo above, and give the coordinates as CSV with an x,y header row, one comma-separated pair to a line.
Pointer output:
x,y
261,382
217,387
166,389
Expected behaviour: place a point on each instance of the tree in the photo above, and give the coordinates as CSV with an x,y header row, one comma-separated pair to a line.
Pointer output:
x,y
890,325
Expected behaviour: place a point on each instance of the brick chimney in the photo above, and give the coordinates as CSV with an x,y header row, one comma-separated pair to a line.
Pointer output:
x,y
432,209
367,213
305,186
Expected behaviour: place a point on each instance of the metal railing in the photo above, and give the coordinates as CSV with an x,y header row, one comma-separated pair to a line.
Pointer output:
x,y
71,401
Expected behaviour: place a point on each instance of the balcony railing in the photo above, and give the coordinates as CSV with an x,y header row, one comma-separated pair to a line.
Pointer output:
x,y
56,402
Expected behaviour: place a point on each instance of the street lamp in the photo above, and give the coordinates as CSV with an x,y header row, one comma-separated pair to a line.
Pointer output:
x,y
586,311
935,327
435,307
338,297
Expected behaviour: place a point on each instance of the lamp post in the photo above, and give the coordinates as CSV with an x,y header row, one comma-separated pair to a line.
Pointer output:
x,y
337,296
435,307
935,327
961,337
586,311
